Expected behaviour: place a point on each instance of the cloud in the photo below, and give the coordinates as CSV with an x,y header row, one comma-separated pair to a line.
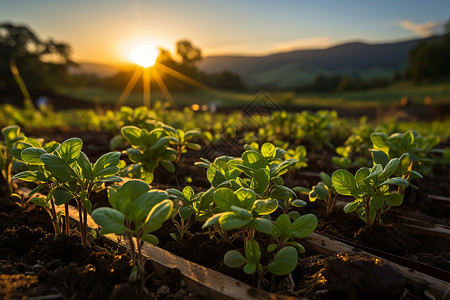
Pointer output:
x,y
309,43
422,29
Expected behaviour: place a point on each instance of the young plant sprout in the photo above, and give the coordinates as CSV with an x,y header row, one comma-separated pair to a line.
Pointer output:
x,y
68,174
136,211
370,187
323,190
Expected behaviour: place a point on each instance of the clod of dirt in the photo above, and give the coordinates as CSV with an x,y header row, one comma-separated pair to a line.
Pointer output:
x,y
363,277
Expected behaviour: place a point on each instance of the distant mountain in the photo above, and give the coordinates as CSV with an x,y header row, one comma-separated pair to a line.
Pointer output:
x,y
298,67
101,70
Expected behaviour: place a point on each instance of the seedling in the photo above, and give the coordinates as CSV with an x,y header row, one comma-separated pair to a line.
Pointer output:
x,y
183,140
323,190
187,204
136,211
68,173
149,149
371,190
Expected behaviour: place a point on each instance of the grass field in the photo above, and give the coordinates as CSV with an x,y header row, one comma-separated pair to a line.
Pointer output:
x,y
439,93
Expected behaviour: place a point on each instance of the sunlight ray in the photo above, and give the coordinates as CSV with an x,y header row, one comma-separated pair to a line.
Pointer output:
x,y
164,88
146,87
182,77
129,87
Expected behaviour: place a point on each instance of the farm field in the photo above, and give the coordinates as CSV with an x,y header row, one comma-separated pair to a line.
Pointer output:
x,y
229,182
438,92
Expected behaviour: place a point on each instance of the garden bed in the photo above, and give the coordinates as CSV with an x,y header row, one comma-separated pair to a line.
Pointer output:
x,y
36,263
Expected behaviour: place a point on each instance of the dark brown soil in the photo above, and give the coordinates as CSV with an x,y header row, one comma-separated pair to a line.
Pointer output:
x,y
26,241
36,263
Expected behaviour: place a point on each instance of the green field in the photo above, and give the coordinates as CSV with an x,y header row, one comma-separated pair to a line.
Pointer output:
x,y
439,93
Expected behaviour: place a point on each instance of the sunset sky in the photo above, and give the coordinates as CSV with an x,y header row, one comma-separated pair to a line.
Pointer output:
x,y
105,31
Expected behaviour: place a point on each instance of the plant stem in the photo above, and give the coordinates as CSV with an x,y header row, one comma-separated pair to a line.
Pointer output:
x,y
66,210
80,215
53,213
367,207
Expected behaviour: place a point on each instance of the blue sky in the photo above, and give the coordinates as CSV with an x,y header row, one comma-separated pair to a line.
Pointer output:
x,y
104,31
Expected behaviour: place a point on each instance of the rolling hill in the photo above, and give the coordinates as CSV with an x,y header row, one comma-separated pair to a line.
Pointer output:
x,y
292,68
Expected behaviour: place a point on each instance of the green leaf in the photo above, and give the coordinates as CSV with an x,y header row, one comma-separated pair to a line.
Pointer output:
x,y
390,168
234,259
407,140
254,160
61,196
360,178
272,247
377,201
394,199
326,179
126,194
39,201
260,181
298,203
294,215
344,182
111,220
70,149
250,268
379,141
150,238
193,146
110,159
252,251
212,220
59,168
283,167
396,181
185,212
379,157
303,226
85,165
191,134
140,208
215,176
159,213
284,262
246,198
352,206
268,150
168,166
241,212
32,156
302,190
132,134
262,225
321,191
231,220
29,176
299,246
282,192
224,198
283,223
265,207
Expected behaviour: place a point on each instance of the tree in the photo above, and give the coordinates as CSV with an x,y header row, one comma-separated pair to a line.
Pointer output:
x,y
187,52
430,59
41,64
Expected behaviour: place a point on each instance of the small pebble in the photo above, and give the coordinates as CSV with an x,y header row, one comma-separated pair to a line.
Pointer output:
x,y
182,283
36,266
163,290
30,273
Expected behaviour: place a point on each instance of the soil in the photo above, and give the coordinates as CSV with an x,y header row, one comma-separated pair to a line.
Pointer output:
x,y
35,263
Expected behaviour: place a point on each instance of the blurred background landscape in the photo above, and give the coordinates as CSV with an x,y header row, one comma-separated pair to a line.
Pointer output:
x,y
304,55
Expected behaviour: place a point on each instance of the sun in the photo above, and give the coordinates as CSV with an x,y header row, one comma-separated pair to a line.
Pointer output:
x,y
144,55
